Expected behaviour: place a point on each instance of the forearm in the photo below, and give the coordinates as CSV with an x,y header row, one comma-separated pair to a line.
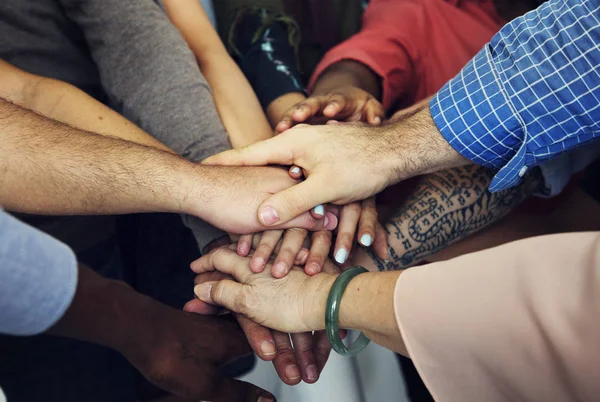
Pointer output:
x,y
238,107
235,100
418,146
444,208
103,311
51,168
67,104
367,305
150,74
348,73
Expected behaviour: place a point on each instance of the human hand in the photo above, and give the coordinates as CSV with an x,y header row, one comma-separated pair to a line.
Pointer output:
x,y
302,361
342,163
346,103
361,215
235,193
292,304
183,353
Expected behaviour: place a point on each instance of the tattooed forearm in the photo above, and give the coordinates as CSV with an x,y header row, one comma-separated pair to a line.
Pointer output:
x,y
448,206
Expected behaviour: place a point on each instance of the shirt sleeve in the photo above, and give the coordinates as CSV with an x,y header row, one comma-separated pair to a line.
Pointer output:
x,y
513,323
152,78
383,45
38,278
530,94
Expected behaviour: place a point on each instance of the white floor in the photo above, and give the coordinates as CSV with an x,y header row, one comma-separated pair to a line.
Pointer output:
x,y
372,376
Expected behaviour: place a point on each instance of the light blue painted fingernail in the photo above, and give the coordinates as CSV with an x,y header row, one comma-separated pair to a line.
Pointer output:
x,y
296,170
319,210
366,240
340,256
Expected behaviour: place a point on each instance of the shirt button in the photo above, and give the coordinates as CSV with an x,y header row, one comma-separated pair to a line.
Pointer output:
x,y
523,171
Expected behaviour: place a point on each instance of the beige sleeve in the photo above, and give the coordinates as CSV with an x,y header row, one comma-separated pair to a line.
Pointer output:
x,y
520,322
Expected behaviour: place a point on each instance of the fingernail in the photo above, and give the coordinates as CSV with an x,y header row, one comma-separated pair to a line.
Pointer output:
x,y
377,120
329,108
203,291
292,372
280,269
313,268
258,263
340,256
267,348
366,240
269,216
312,373
331,221
319,210
295,170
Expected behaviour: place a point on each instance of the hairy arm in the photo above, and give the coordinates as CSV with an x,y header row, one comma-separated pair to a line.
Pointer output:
x,y
444,208
51,168
236,102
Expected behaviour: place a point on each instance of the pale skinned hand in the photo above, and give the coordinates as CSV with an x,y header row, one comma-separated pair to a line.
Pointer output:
x,y
347,103
237,192
345,162
287,304
303,361
356,218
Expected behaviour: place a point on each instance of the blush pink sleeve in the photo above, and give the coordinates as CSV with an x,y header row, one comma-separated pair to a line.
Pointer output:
x,y
520,322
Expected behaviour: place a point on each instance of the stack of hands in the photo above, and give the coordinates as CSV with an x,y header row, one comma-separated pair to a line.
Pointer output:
x,y
271,283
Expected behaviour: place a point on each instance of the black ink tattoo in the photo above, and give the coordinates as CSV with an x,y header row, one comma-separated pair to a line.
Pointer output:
x,y
448,206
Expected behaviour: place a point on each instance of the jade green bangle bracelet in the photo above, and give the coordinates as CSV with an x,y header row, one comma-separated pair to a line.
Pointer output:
x,y
332,313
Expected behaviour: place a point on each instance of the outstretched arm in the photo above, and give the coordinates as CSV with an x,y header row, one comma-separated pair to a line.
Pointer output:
x,y
67,104
236,102
444,208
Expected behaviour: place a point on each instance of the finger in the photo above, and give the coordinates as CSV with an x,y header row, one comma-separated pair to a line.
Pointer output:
x,y
346,230
318,212
367,222
265,248
296,173
260,338
197,306
322,348
274,151
285,362
292,202
301,257
286,122
380,246
303,348
310,107
244,245
226,293
374,111
225,389
306,221
319,250
290,247
225,261
335,106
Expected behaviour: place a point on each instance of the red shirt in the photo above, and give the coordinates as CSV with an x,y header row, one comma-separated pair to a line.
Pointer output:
x,y
416,46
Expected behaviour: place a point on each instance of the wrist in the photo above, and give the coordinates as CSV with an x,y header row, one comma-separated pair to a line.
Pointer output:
x,y
348,73
105,312
367,304
419,146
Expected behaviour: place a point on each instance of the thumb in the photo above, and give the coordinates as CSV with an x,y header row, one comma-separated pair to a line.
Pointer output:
x,y
228,389
268,152
226,293
292,202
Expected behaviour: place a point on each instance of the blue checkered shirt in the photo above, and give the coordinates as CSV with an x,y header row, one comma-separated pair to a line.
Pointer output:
x,y
530,94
